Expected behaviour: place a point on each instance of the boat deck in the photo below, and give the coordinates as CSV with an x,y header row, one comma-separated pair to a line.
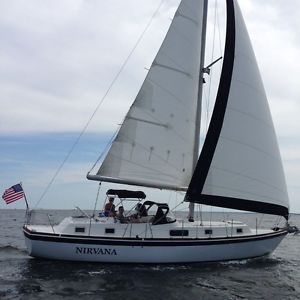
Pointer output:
x,y
108,227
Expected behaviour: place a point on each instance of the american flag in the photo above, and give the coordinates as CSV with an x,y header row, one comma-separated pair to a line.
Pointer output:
x,y
14,193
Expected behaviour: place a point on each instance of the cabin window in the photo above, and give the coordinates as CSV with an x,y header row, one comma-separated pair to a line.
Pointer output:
x,y
79,229
208,231
239,230
179,232
109,230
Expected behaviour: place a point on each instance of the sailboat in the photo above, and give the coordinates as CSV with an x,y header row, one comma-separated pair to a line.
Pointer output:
x,y
157,146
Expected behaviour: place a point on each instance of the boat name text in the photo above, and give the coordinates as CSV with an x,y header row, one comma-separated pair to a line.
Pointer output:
x,y
97,251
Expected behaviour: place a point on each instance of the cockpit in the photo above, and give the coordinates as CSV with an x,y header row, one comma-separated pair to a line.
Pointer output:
x,y
142,211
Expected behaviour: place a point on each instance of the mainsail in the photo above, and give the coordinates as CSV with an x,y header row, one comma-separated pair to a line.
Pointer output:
x,y
155,144
240,165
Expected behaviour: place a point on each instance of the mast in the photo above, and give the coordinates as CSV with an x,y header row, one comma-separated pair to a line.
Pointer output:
x,y
199,102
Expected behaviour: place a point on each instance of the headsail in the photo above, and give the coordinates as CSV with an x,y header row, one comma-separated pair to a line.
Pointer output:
x,y
155,144
240,165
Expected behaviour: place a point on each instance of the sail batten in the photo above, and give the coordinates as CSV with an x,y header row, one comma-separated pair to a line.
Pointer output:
x,y
240,165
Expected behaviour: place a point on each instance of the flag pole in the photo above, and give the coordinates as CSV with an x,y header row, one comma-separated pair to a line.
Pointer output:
x,y
28,213
27,206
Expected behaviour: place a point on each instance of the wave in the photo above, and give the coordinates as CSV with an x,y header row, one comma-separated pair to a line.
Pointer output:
x,y
12,250
259,262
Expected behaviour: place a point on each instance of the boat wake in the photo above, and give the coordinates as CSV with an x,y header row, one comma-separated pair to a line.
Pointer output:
x,y
12,251
253,262
293,229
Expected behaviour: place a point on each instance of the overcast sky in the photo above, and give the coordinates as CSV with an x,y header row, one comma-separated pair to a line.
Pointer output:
x,y
58,58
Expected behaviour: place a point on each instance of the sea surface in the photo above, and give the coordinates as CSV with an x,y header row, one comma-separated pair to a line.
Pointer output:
x,y
276,276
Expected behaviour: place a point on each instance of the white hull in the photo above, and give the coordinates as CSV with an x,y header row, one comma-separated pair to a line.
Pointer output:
x,y
130,250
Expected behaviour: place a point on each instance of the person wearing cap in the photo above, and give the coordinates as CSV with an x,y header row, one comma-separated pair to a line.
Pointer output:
x,y
110,209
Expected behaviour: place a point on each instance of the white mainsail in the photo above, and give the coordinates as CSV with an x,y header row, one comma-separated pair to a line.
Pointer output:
x,y
155,144
244,170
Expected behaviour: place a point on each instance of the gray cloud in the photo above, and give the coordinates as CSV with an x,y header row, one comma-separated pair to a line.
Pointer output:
x,y
57,59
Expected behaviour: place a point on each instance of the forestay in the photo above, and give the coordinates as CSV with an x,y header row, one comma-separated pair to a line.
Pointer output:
x,y
154,146
240,165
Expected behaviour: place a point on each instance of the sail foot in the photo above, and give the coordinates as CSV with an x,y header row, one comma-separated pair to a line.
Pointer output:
x,y
240,204
136,183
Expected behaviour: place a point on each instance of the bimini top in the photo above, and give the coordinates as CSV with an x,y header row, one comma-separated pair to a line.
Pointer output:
x,y
126,194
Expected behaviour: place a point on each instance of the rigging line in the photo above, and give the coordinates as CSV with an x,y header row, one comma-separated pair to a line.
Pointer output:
x,y
212,59
99,104
173,209
105,149
97,197
219,32
260,221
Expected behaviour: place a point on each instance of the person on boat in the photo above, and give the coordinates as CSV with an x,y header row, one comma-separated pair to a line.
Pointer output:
x,y
110,209
160,217
141,210
120,215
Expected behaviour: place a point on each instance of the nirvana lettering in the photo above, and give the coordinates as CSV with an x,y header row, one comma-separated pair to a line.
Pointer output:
x,y
97,251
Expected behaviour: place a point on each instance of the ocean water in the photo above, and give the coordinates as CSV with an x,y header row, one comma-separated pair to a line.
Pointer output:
x,y
21,277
